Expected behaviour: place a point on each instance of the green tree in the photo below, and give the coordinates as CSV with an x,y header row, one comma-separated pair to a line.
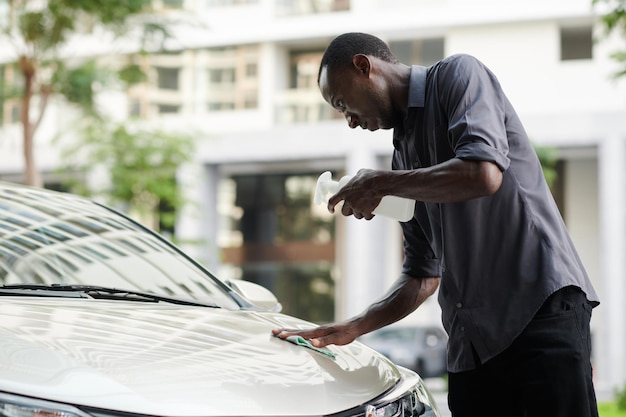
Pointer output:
x,y
613,20
39,32
548,159
141,166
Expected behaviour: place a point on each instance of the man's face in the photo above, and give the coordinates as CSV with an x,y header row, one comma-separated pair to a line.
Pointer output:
x,y
360,94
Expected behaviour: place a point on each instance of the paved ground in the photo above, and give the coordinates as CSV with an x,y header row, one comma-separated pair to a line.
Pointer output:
x,y
441,398
438,389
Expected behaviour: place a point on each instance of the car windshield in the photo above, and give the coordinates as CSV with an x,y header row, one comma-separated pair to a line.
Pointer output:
x,y
51,238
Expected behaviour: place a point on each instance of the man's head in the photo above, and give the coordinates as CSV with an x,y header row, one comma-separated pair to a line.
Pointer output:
x,y
340,51
356,77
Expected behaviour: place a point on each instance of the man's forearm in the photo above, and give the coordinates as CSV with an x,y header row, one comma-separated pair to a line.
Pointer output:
x,y
404,297
452,181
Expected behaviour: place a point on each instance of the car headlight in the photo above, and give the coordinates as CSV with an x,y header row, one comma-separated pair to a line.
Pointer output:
x,y
410,398
16,406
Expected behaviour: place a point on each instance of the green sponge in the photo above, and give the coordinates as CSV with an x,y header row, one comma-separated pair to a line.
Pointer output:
x,y
301,341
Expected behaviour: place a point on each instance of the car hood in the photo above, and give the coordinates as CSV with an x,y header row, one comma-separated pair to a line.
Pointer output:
x,y
173,360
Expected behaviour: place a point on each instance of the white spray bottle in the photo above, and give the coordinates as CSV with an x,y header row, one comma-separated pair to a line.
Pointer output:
x,y
398,208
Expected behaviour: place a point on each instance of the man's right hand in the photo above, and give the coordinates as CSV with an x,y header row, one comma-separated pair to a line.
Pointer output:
x,y
356,202
329,334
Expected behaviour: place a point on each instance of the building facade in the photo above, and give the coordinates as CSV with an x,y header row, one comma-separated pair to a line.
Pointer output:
x,y
242,78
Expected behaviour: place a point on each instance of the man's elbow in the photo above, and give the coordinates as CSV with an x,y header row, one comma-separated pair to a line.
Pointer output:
x,y
489,177
430,285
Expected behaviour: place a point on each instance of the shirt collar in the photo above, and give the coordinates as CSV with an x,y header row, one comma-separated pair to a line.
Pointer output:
x,y
417,98
417,86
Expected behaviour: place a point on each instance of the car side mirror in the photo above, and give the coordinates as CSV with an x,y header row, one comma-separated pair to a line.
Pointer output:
x,y
256,294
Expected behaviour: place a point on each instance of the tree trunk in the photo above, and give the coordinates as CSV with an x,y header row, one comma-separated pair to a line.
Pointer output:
x,y
31,174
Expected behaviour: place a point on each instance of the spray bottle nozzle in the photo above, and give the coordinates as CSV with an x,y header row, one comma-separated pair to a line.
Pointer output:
x,y
326,187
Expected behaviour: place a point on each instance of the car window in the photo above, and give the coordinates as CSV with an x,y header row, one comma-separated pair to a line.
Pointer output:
x,y
49,238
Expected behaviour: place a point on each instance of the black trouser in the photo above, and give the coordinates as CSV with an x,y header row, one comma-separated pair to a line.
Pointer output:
x,y
546,372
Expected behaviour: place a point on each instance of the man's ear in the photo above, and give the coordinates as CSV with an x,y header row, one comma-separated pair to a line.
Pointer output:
x,y
362,63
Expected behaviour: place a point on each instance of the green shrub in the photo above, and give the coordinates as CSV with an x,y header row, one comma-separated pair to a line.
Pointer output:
x,y
620,399
610,410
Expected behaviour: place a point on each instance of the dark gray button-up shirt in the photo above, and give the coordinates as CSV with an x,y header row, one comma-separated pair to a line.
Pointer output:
x,y
501,256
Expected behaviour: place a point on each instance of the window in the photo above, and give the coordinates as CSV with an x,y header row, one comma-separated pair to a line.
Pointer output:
x,y
576,43
232,78
251,70
10,107
251,100
304,66
168,108
418,52
2,93
167,78
303,102
303,7
218,106
270,235
135,108
222,75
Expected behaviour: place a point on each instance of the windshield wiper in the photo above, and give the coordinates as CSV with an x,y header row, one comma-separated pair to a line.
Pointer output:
x,y
94,291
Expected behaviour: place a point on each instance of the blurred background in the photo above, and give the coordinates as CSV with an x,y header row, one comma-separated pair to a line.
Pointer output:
x,y
202,118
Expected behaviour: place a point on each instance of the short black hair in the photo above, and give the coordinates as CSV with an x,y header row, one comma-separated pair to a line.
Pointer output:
x,y
340,51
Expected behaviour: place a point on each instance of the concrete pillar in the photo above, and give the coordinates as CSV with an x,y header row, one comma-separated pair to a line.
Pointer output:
x,y
196,225
612,200
363,250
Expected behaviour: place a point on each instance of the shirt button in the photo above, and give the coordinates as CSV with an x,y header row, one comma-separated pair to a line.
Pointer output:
x,y
462,329
459,305
416,165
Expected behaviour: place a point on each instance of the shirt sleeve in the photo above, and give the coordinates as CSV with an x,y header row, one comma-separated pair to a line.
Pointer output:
x,y
475,105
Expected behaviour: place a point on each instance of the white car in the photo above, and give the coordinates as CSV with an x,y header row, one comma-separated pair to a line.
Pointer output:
x,y
102,317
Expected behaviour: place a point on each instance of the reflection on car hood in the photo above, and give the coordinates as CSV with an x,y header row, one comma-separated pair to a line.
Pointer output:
x,y
177,361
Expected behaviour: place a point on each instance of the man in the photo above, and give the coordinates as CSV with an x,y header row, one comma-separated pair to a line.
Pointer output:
x,y
515,297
